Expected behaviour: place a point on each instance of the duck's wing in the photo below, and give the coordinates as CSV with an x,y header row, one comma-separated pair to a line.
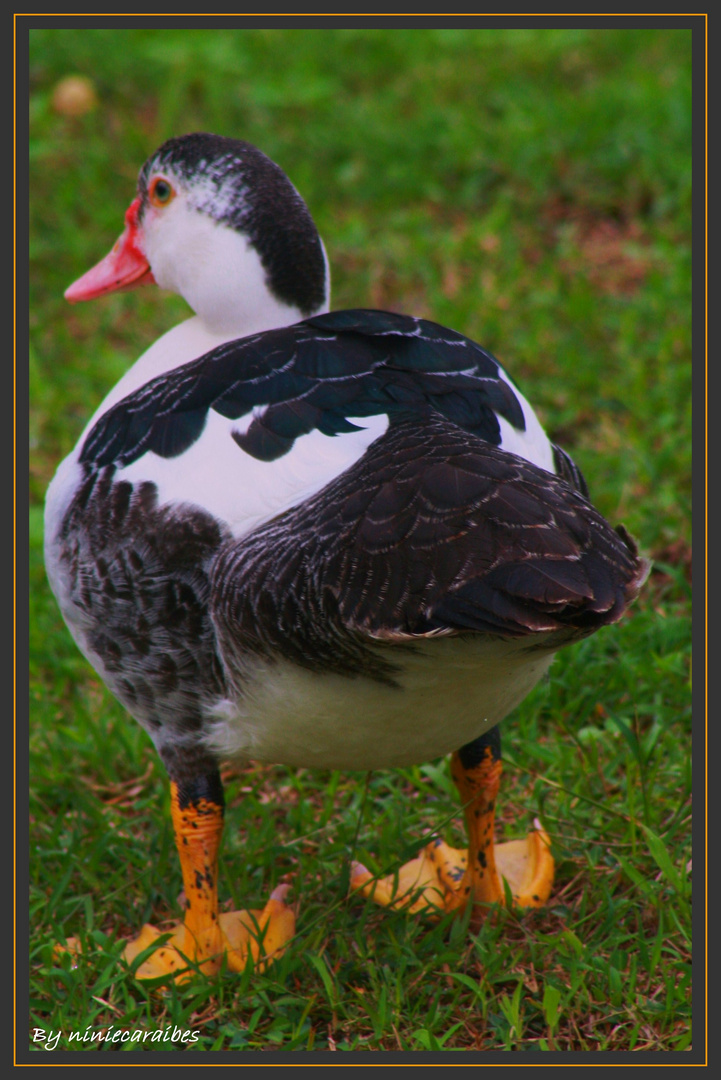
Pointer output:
x,y
434,531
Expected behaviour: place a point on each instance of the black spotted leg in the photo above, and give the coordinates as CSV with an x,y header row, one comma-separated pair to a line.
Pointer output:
x,y
444,879
206,935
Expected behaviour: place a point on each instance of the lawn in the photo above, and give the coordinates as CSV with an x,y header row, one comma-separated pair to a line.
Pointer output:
x,y
532,189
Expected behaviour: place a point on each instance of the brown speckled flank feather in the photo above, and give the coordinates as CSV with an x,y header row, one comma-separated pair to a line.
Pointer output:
x,y
137,576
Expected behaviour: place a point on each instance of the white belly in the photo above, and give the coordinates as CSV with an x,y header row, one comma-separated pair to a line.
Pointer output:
x,y
451,691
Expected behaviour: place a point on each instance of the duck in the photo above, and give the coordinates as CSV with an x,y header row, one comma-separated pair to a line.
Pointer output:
x,y
322,539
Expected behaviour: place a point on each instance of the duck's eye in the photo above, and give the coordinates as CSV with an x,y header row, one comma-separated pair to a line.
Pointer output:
x,y
161,192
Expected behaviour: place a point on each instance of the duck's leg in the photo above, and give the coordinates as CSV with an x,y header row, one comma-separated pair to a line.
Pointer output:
x,y
206,936
443,878
526,865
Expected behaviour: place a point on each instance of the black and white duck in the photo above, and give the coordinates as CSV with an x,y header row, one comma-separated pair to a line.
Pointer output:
x,y
334,539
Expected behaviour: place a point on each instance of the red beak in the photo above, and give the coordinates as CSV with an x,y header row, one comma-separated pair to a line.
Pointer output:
x,y
125,267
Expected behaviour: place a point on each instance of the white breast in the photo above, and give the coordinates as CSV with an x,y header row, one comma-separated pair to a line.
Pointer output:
x,y
450,691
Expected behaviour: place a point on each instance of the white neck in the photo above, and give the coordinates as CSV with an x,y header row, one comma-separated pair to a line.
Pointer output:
x,y
215,269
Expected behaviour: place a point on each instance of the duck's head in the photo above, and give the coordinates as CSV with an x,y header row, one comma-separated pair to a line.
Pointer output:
x,y
218,222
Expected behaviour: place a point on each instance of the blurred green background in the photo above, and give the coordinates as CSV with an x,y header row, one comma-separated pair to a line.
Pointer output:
x,y
532,189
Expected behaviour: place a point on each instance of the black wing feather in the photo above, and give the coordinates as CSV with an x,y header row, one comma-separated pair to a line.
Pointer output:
x,y
315,374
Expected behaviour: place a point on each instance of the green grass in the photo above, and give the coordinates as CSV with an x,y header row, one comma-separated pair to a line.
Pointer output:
x,y
531,189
